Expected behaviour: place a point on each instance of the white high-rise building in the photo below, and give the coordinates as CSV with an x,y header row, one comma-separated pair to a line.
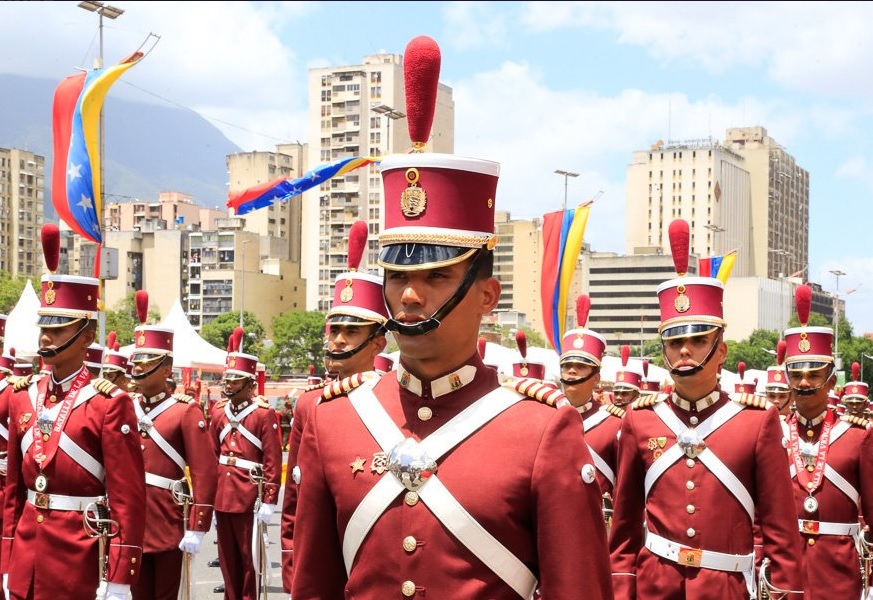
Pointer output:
x,y
355,111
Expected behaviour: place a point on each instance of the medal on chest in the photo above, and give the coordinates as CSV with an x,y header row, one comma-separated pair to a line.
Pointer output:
x,y
691,442
45,422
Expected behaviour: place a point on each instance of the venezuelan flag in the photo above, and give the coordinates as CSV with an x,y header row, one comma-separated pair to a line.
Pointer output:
x,y
76,172
282,190
563,234
719,267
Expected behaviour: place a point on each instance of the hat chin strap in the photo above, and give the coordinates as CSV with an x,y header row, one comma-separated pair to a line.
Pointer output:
x,y
350,353
696,369
141,376
428,325
52,352
580,380
811,391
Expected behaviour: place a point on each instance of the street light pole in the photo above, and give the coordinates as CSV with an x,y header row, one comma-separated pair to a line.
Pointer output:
x,y
393,115
110,12
863,356
567,175
242,291
837,362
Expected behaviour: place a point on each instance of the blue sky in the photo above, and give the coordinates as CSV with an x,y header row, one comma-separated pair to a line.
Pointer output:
x,y
538,86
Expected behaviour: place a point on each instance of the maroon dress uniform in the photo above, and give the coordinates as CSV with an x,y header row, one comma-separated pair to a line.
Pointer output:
x,y
6,364
91,454
693,476
526,461
601,424
245,437
305,404
833,478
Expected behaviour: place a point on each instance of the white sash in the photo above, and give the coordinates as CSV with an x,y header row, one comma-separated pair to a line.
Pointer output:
x,y
238,419
596,419
707,456
153,432
433,493
829,472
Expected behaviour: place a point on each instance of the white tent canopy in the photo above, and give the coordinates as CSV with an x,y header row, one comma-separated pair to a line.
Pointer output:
x,y
22,331
189,349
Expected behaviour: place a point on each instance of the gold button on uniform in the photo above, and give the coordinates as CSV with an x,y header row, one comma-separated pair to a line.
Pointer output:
x,y
690,508
409,543
689,485
691,532
408,588
689,463
411,498
811,542
40,519
133,559
425,413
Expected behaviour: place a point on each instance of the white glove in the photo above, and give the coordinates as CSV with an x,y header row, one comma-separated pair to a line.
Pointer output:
x,y
116,591
265,513
191,542
6,585
869,595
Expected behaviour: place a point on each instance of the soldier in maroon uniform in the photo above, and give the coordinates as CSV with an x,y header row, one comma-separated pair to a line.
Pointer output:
x,y
434,481
777,391
74,459
116,367
830,463
6,364
173,437
697,467
245,434
355,338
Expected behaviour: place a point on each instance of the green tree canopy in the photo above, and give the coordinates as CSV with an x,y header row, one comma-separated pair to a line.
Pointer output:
x,y
298,341
218,331
10,291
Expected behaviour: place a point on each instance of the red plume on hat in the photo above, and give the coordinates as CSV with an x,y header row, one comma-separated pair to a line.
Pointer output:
x,y
236,338
421,73
110,339
311,370
521,342
116,346
679,244
781,349
803,302
625,354
645,367
741,370
141,299
50,236
856,371
357,244
583,307
480,347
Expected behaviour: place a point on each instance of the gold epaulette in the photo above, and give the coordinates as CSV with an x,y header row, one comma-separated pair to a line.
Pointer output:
x,y
105,387
22,382
313,387
856,421
220,403
647,401
262,402
341,387
615,411
751,400
184,398
537,390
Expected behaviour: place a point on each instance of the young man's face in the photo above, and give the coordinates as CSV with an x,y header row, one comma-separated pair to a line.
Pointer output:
x,y
580,393
55,337
413,296
810,388
687,353
347,336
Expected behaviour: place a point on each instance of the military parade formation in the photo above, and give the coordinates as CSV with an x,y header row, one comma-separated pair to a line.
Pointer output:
x,y
435,476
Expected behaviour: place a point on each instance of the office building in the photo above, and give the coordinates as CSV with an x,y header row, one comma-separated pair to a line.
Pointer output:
x,y
22,197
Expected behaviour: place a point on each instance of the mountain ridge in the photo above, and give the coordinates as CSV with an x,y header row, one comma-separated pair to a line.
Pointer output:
x,y
148,149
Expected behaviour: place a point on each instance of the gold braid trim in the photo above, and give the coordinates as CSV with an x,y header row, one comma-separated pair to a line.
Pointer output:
x,y
262,402
184,398
105,387
647,401
536,390
440,239
344,386
21,383
751,400
856,421
615,411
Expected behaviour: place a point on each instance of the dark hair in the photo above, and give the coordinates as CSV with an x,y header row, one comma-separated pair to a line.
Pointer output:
x,y
485,259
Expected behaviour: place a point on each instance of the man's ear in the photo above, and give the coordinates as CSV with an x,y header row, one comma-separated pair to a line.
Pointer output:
x,y
490,294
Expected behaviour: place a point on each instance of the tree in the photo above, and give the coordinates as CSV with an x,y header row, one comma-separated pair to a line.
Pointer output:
x,y
534,339
218,330
10,291
123,320
298,341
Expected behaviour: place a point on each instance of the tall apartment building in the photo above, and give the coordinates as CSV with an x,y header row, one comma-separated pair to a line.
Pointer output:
x,y
280,220
343,123
22,197
746,194
172,209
